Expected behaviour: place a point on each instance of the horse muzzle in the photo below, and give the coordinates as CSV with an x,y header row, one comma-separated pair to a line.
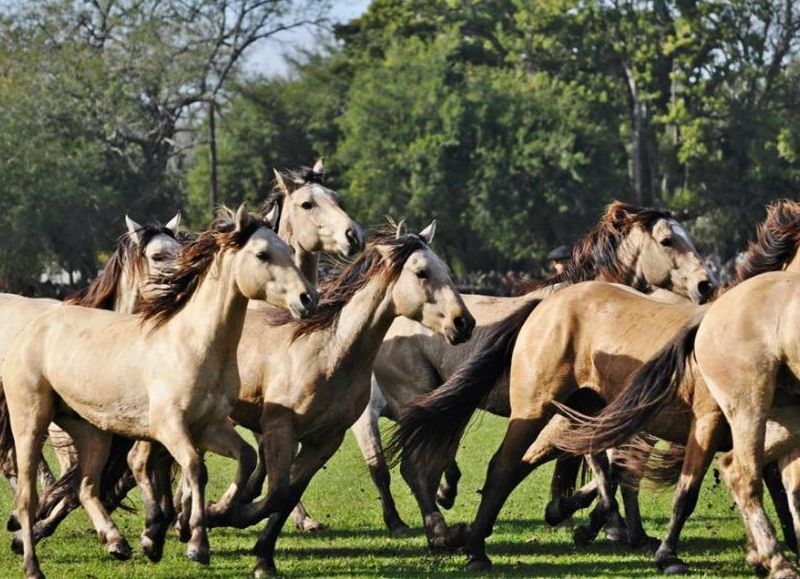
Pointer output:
x,y
462,328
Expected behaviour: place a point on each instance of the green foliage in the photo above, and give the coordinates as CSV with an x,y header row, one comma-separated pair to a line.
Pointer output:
x,y
510,122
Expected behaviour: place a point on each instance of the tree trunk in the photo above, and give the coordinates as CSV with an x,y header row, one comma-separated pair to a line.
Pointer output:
x,y
212,154
640,142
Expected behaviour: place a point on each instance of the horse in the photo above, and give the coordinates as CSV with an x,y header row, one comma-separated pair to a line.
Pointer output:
x,y
308,381
188,331
312,220
140,252
670,377
590,337
643,248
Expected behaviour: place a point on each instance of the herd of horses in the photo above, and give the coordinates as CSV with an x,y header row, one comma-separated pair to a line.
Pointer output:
x,y
183,337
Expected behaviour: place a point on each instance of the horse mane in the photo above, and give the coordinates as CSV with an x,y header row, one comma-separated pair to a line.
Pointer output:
x,y
337,290
776,242
595,254
102,292
177,284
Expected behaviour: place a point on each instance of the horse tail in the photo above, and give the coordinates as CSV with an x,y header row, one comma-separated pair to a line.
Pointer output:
x,y
437,420
117,478
654,385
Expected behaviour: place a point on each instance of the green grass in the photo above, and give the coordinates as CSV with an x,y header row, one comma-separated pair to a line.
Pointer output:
x,y
356,543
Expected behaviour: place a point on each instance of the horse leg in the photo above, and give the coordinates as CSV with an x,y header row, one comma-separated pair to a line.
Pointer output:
x,y
741,470
789,466
423,480
311,458
564,499
700,448
143,464
302,520
29,427
172,433
256,482
773,480
368,436
93,446
448,488
607,508
222,438
508,467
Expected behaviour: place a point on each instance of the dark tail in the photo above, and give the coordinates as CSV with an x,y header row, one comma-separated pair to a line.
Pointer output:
x,y
437,420
652,387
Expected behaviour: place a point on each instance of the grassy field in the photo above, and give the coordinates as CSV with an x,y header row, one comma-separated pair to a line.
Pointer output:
x,y
356,544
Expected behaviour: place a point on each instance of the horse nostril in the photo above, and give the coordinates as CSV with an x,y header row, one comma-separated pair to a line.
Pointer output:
x,y
460,323
704,288
306,300
353,238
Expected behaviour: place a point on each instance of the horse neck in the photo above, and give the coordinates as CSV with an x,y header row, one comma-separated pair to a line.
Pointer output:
x,y
794,263
214,315
127,291
628,255
364,321
307,262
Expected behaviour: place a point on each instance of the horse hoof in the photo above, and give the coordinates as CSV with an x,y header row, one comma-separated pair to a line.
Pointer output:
x,y
617,534
678,568
120,550
445,501
16,544
649,545
669,564
582,536
152,549
201,556
310,526
12,524
265,569
479,565
34,573
400,529
552,513
760,570
184,533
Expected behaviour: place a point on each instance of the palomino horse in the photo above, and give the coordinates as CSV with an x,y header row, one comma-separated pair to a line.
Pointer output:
x,y
307,382
671,377
312,220
188,333
143,251
593,336
642,248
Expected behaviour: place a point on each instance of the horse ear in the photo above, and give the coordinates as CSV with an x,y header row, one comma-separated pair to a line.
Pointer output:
x,y
401,229
273,216
174,223
134,230
281,182
428,233
319,168
242,218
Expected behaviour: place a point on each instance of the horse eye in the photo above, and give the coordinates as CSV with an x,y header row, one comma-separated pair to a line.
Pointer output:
x,y
666,242
306,205
263,256
422,274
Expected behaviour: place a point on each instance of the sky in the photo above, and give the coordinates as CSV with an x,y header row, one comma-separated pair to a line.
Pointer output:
x,y
268,57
